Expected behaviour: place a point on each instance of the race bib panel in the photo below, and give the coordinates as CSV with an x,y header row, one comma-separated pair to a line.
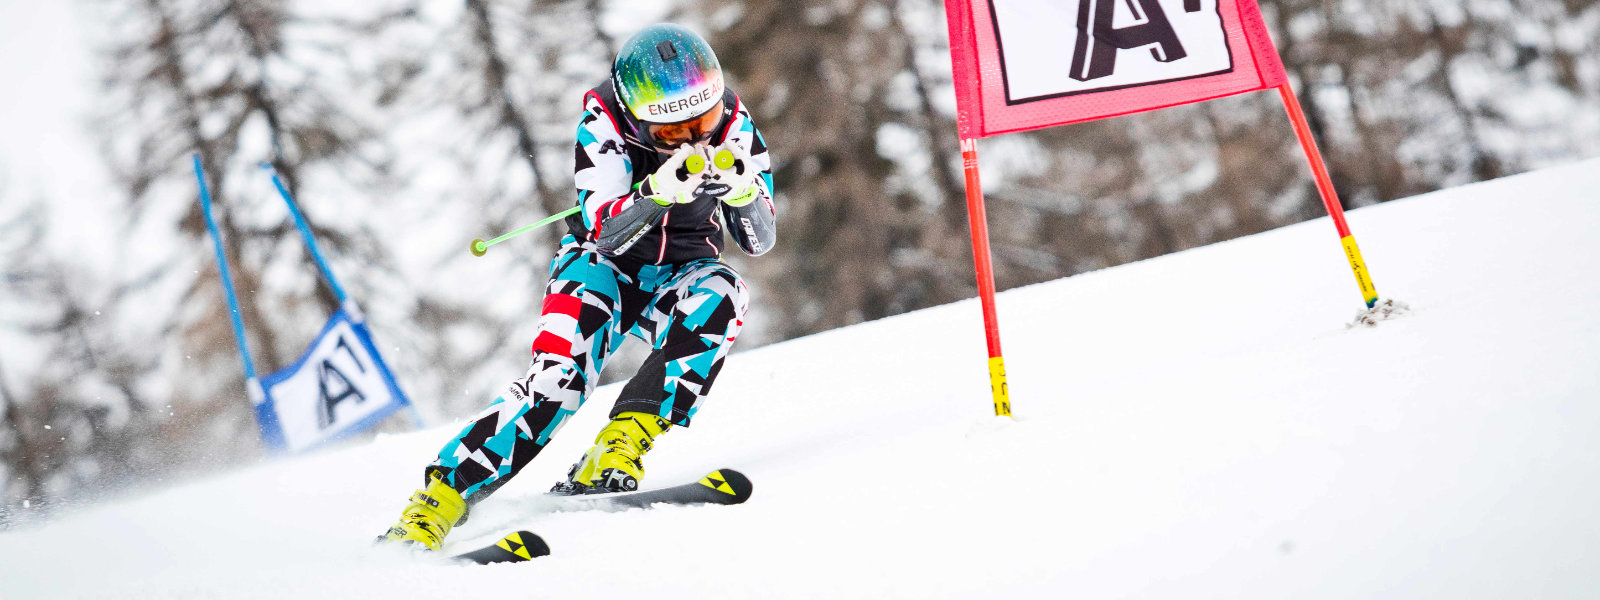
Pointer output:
x,y
1070,47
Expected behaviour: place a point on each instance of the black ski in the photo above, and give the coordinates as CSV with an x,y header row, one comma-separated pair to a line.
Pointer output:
x,y
517,547
723,486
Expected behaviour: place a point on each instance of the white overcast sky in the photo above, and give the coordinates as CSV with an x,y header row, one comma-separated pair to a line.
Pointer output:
x,y
47,79
47,85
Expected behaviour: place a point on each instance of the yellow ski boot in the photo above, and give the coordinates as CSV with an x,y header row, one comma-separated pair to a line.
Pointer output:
x,y
613,464
433,512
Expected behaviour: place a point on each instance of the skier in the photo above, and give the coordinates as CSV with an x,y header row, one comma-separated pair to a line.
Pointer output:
x,y
666,157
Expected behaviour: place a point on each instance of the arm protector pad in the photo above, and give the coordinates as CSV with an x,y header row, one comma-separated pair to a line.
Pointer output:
x,y
754,226
625,228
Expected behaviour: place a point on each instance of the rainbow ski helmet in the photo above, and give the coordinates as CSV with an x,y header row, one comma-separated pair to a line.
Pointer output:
x,y
670,83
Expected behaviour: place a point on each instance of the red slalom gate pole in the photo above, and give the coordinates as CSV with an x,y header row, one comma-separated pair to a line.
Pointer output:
x,y
1330,198
977,219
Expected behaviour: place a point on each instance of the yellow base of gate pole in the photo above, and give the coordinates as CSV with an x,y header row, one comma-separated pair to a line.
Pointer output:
x,y
997,383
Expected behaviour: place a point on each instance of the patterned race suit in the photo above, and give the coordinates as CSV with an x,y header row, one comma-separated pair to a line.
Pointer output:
x,y
628,268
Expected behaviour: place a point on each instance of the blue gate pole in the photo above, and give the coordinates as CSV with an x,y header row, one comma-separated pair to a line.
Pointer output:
x,y
305,233
327,273
252,384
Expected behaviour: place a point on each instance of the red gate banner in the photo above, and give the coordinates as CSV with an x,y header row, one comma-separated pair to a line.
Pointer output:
x,y
1027,64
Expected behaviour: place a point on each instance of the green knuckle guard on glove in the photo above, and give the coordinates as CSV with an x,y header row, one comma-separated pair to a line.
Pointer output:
x,y
722,172
674,183
730,165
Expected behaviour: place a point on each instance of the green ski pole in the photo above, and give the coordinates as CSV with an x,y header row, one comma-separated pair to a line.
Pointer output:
x,y
479,246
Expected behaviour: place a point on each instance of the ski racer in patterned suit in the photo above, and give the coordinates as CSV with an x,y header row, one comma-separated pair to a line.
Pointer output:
x,y
667,160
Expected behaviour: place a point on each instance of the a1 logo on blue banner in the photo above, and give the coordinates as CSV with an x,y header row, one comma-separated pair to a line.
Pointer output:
x,y
339,386
1056,48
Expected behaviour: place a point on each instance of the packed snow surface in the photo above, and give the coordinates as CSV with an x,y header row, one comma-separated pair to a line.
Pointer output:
x,y
1198,425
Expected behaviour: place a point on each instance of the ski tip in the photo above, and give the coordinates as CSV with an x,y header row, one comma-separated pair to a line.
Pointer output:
x,y
517,546
532,544
734,484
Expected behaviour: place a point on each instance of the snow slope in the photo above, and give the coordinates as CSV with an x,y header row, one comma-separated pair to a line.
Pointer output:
x,y
1194,426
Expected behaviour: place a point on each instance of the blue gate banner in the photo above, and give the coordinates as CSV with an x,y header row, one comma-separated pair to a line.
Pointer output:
x,y
338,387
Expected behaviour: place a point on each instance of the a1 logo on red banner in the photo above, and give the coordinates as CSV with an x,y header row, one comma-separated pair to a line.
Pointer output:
x,y
1069,47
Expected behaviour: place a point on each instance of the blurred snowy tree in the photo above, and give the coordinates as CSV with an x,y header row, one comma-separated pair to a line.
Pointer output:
x,y
74,423
239,83
868,212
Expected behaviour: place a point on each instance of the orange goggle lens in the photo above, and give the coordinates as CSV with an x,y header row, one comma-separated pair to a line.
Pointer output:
x,y
688,132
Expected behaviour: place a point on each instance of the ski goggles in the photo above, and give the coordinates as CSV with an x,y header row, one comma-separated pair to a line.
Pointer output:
x,y
671,135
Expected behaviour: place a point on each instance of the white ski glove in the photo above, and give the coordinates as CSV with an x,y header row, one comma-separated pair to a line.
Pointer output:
x,y
731,166
674,183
